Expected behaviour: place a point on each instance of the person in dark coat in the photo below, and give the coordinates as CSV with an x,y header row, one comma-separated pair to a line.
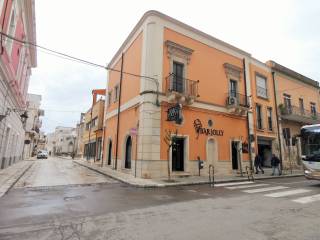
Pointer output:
x,y
275,164
258,164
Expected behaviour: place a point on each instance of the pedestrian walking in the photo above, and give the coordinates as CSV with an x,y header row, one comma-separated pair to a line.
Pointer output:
x,y
275,163
258,164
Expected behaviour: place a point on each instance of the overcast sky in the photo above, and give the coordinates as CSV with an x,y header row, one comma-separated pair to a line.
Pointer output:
x,y
285,31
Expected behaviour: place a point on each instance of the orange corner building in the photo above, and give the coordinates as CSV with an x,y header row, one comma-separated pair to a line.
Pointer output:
x,y
176,95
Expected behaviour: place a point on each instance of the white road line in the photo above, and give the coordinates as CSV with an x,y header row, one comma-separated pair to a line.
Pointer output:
x,y
309,199
232,184
287,193
248,186
264,189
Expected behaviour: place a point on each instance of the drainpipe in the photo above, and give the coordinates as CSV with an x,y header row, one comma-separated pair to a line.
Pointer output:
x,y
2,26
277,118
247,103
118,117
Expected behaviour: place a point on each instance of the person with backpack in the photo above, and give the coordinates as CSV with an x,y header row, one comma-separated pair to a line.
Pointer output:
x,y
258,164
275,164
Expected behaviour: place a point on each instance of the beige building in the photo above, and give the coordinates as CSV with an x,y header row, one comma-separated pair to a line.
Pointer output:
x,y
93,131
297,98
79,146
33,125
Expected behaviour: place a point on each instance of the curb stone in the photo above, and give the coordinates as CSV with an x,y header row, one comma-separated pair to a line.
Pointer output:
x,y
158,185
10,183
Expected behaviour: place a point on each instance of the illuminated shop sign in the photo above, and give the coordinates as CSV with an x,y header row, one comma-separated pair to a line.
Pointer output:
x,y
206,131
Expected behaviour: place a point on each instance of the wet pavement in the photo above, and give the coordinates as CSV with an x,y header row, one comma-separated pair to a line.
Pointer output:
x,y
58,171
113,210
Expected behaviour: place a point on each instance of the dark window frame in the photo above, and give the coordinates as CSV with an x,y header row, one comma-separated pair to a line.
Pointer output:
x,y
259,116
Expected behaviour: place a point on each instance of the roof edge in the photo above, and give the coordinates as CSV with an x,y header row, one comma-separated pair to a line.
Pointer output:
x,y
278,67
175,21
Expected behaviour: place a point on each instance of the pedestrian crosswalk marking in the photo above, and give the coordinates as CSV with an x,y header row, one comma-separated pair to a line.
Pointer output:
x,y
232,184
309,199
287,193
248,186
258,190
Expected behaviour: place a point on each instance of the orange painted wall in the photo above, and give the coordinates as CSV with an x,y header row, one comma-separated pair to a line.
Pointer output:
x,y
297,90
197,147
130,89
206,65
265,103
131,64
128,120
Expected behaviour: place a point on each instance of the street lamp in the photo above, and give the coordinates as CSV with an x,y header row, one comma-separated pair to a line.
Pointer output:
x,y
23,116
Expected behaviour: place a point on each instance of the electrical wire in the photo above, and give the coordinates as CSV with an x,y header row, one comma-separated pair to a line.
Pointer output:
x,y
69,57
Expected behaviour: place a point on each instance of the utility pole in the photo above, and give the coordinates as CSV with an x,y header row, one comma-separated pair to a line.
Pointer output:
x,y
118,116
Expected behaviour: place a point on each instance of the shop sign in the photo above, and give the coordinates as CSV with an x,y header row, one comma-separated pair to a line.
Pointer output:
x,y
206,131
174,114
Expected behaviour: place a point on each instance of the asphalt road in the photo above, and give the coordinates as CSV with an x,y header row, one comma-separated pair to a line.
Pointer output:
x,y
270,209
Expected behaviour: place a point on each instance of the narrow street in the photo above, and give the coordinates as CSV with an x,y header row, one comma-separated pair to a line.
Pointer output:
x,y
57,172
86,205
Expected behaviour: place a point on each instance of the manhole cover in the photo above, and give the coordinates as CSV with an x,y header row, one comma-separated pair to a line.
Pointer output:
x,y
72,198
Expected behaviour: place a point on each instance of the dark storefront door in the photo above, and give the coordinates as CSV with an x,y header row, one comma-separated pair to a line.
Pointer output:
x,y
109,153
265,152
234,149
128,153
178,155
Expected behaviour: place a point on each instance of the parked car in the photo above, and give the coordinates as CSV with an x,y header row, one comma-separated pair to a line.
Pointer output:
x,y
42,154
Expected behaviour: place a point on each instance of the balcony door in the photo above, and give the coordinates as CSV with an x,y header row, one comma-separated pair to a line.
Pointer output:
x,y
178,69
233,88
287,103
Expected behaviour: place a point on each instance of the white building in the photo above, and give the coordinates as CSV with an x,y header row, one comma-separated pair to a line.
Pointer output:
x,y
33,125
61,141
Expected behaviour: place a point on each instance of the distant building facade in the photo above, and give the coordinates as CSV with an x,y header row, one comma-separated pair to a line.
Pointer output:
x,y
61,141
33,125
17,19
79,145
93,131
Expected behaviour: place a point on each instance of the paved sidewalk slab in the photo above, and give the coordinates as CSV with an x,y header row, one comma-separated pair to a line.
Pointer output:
x,y
177,181
10,175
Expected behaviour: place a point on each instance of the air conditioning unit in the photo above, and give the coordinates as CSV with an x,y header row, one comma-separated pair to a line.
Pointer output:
x,y
232,101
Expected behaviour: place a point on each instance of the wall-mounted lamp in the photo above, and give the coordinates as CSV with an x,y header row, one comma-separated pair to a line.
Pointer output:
x,y
23,116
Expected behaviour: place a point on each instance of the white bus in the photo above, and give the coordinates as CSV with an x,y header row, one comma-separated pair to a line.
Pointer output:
x,y
310,146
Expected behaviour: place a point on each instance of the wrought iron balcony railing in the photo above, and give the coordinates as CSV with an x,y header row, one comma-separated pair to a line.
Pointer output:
x,y
237,100
184,86
299,114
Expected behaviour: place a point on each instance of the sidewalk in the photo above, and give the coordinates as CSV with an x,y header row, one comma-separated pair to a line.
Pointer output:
x,y
10,175
192,180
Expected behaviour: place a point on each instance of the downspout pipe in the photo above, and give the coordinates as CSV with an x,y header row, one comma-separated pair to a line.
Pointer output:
x,y
118,115
277,118
247,103
2,26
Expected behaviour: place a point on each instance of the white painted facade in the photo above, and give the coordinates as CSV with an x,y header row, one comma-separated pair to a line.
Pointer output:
x,y
61,141
33,124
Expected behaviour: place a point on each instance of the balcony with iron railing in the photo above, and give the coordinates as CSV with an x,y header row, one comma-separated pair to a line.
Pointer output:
x,y
237,103
297,114
181,90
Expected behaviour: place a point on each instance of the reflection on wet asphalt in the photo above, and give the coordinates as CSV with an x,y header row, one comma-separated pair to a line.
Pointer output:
x,y
57,171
